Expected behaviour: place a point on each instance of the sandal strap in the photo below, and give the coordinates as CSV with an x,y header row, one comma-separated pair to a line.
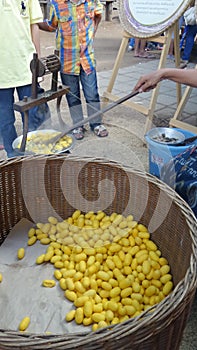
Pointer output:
x,y
78,130
99,129
78,133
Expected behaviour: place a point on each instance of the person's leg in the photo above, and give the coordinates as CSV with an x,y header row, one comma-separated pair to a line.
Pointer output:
x,y
74,102
136,48
131,44
171,49
37,115
142,47
73,96
189,42
183,37
7,120
90,90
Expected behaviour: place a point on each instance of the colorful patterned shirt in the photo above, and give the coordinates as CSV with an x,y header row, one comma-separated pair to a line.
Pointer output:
x,y
75,31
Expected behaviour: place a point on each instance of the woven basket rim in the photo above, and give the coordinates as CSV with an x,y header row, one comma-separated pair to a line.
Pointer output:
x,y
186,286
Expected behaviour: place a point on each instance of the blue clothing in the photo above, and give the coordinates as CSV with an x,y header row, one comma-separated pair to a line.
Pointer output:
x,y
189,41
132,42
36,115
90,90
180,173
183,38
8,130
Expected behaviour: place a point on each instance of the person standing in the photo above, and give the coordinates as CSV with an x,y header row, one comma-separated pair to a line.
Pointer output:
x,y
76,22
191,31
190,34
19,39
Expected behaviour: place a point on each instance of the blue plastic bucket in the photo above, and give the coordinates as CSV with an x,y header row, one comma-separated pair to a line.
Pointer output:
x,y
160,154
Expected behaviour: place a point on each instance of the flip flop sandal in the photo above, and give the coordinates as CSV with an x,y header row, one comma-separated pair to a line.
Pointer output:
x,y
78,133
100,131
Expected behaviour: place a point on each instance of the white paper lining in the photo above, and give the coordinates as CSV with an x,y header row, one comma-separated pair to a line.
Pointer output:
x,y
22,293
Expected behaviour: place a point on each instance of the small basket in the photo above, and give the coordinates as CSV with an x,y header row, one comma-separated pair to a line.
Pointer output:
x,y
36,187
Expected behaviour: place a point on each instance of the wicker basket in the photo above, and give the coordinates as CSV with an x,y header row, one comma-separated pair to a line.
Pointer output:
x,y
36,187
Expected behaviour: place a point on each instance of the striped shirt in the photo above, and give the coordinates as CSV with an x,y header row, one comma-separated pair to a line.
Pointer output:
x,y
74,24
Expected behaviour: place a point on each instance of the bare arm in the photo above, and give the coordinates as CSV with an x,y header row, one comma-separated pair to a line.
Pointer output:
x,y
46,27
182,76
36,37
97,20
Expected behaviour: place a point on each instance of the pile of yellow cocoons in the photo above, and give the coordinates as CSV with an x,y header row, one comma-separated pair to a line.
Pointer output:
x,y
107,266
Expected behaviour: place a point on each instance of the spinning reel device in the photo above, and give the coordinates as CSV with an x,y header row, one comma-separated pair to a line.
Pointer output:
x,y
39,68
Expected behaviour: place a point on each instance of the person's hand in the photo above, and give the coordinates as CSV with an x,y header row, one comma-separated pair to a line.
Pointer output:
x,y
148,82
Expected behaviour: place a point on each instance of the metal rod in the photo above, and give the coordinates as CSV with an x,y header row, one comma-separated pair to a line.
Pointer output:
x,y
34,76
61,123
25,131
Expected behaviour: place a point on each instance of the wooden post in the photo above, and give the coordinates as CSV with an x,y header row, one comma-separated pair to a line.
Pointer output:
x,y
44,5
119,58
108,10
155,92
176,120
177,57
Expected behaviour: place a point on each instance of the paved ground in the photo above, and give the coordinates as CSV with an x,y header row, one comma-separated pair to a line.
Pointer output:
x,y
125,143
107,44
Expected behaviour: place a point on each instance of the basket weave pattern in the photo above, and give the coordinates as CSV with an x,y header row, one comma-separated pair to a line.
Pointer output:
x,y
26,183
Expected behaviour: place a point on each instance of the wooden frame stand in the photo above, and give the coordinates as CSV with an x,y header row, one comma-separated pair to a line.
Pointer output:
x,y
149,111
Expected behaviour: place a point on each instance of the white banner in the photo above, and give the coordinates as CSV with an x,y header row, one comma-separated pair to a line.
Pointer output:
x,y
151,12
